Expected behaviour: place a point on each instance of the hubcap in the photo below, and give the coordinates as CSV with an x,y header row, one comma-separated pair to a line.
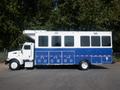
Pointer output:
x,y
84,65
14,65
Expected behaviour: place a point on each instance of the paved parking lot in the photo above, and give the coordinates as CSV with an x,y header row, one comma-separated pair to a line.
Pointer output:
x,y
104,77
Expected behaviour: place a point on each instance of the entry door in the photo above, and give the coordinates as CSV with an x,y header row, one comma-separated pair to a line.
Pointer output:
x,y
27,52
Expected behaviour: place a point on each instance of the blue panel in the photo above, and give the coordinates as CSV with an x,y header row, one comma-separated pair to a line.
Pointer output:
x,y
106,60
68,57
97,60
84,58
55,57
41,57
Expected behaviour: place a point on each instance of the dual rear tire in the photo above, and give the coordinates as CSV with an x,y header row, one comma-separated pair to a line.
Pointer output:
x,y
84,65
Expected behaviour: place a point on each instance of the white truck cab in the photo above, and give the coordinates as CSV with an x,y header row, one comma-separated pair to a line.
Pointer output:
x,y
23,57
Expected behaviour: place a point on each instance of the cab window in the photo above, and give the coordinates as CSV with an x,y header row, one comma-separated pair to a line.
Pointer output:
x,y
27,47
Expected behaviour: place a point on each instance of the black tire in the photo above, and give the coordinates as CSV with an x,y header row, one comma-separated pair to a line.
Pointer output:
x,y
84,65
14,65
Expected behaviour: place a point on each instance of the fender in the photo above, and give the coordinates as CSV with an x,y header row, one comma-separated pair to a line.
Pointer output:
x,y
20,60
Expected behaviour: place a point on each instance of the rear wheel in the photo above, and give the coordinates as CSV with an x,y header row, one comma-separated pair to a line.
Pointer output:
x,y
84,65
14,65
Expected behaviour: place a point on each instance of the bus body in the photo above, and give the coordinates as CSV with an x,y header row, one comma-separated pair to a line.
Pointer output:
x,y
65,48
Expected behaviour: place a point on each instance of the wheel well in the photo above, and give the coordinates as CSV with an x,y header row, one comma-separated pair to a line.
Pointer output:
x,y
14,60
85,61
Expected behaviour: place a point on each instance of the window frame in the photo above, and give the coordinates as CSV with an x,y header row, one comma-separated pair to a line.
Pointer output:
x,y
52,41
94,40
87,43
47,41
109,40
73,42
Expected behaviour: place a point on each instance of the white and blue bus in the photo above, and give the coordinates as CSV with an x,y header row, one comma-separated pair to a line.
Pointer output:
x,y
82,48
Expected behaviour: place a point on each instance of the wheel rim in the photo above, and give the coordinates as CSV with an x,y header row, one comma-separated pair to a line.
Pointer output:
x,y
14,65
84,65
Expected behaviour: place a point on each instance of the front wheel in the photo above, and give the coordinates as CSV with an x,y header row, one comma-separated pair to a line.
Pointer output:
x,y
14,65
84,65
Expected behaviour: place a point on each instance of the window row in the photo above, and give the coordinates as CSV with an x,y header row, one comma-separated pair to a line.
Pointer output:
x,y
56,41
96,41
85,41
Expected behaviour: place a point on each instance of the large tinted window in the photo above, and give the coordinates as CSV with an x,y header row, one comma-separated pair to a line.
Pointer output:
x,y
106,41
43,41
69,40
85,40
95,40
56,41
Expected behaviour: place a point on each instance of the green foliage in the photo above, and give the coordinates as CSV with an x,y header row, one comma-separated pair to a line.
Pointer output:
x,y
116,59
3,56
17,15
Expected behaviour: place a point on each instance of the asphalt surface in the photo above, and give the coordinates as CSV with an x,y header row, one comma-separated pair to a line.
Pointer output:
x,y
104,77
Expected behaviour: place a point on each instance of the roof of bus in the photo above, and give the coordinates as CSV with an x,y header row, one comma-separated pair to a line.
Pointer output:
x,y
40,31
32,33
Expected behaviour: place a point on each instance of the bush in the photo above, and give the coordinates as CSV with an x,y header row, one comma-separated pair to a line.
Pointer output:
x,y
3,56
116,57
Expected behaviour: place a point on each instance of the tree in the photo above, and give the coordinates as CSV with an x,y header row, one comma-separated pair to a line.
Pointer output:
x,y
17,15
